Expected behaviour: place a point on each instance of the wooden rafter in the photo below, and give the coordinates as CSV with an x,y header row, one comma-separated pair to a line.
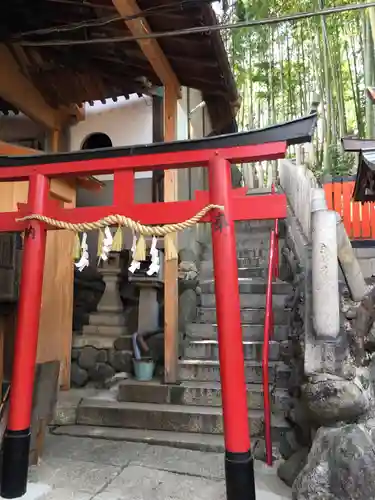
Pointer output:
x,y
19,91
150,47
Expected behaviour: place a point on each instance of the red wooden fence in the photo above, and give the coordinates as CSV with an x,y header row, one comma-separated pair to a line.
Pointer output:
x,y
358,218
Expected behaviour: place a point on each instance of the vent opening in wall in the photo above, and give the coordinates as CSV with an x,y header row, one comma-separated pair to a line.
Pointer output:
x,y
97,140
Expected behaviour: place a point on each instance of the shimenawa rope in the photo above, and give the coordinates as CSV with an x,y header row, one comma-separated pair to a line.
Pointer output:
x,y
136,227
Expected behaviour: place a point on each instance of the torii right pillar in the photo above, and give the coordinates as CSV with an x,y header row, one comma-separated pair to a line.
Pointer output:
x,y
239,464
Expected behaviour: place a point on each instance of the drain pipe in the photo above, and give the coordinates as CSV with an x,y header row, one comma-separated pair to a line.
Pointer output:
x,y
325,291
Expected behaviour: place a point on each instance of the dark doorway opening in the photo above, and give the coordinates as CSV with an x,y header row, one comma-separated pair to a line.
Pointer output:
x,y
97,140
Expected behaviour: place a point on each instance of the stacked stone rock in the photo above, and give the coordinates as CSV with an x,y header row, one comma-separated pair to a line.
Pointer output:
x,y
188,292
90,364
295,443
339,405
98,366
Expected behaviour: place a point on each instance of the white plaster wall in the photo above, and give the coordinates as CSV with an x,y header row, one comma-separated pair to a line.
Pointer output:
x,y
126,122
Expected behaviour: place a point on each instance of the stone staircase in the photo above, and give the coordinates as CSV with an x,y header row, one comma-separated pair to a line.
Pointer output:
x,y
189,414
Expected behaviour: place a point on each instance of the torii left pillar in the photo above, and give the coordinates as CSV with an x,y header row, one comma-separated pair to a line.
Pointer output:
x,y
16,443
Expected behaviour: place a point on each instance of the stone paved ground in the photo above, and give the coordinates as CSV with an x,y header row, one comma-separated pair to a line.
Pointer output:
x,y
93,469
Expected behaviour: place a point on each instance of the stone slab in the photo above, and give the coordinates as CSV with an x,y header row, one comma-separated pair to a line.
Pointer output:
x,y
209,371
92,450
251,285
196,393
105,330
93,340
254,316
158,473
250,332
183,440
67,403
207,272
180,418
79,476
148,310
141,483
247,300
209,349
105,319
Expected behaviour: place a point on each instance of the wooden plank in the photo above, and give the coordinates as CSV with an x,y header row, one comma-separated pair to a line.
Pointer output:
x,y
57,187
170,268
56,321
328,189
365,222
61,190
18,90
356,221
56,318
372,219
337,198
150,47
347,218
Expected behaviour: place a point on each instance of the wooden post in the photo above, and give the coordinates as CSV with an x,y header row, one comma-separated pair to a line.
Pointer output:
x,y
171,266
59,244
55,141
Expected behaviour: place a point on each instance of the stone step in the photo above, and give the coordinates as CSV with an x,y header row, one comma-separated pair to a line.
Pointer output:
x,y
196,393
247,300
244,253
166,417
254,267
207,272
122,343
209,349
255,316
103,319
183,440
207,264
113,331
254,225
251,285
198,370
98,341
207,331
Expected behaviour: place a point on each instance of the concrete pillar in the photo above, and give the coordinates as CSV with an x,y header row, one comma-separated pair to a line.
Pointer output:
x,y
148,310
349,264
110,301
299,155
326,305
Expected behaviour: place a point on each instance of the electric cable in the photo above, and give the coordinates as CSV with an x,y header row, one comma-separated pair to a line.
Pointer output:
x,y
203,29
97,22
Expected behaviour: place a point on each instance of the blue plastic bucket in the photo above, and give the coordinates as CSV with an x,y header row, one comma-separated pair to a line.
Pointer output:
x,y
144,369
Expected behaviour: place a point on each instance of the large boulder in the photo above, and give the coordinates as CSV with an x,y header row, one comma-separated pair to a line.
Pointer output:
x,y
330,398
340,465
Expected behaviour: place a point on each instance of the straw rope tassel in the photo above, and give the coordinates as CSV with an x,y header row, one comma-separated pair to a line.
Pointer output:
x,y
170,249
100,242
77,247
117,240
140,249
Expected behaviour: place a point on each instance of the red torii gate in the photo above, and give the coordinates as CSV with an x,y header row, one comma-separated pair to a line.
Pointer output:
x,y
238,458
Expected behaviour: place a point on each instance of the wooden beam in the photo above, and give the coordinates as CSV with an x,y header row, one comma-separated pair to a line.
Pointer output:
x,y
59,188
171,266
19,91
62,245
150,47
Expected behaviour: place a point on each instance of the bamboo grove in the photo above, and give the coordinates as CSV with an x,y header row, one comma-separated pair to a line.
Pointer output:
x,y
280,67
